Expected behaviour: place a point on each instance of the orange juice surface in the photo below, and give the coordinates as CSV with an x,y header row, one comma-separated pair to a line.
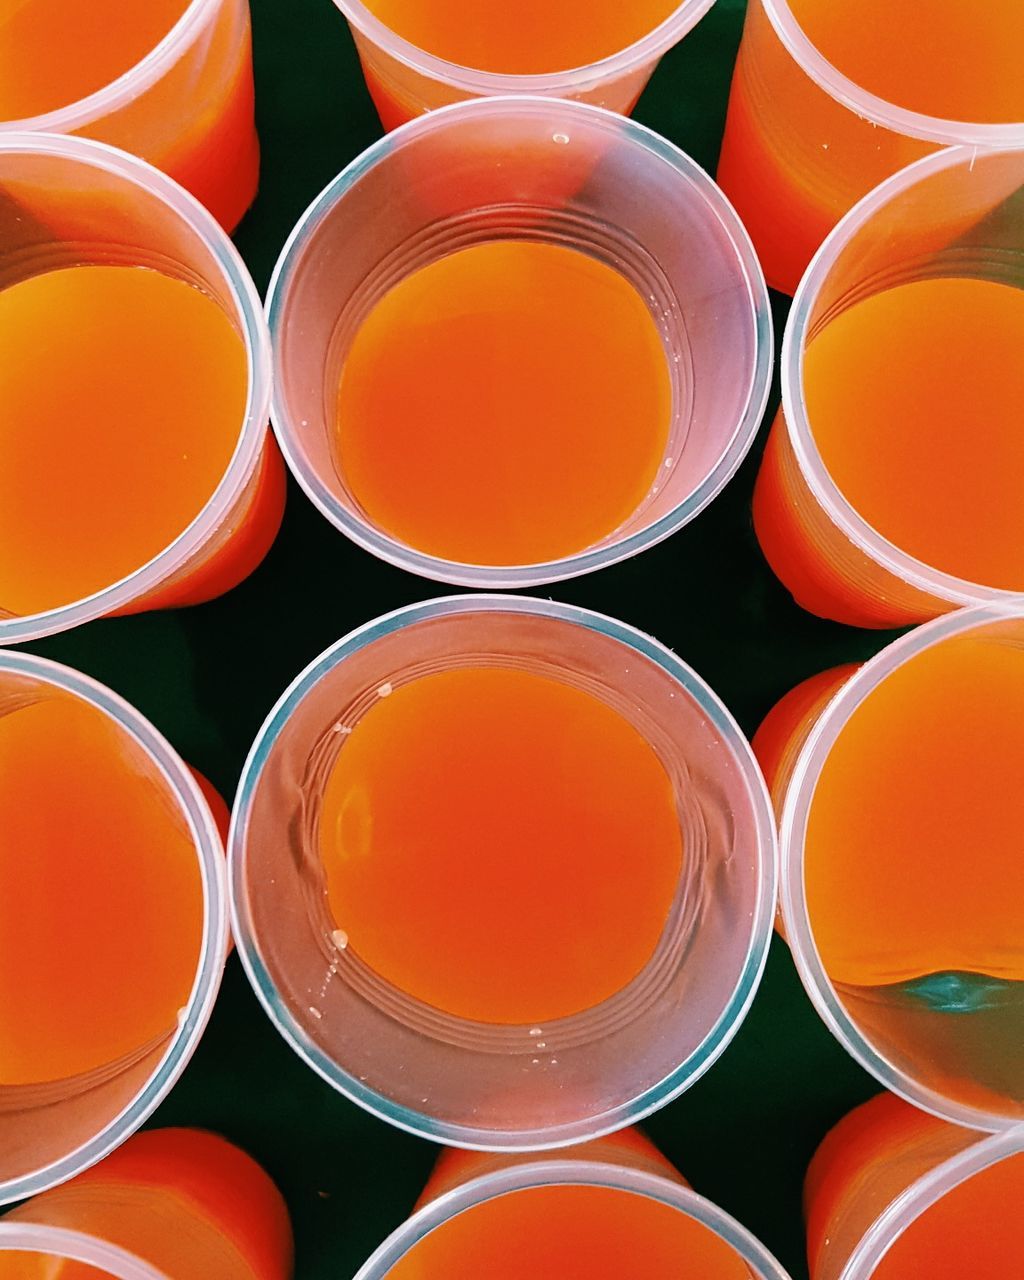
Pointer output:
x,y
955,59
973,1231
508,404
101,901
523,39
55,52
558,1232
124,395
500,845
912,858
914,399
185,1201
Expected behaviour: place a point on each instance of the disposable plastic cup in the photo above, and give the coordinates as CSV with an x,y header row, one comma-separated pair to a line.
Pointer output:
x,y
953,214
405,81
69,202
558,173
187,107
489,1085
803,143
171,1204
464,1182
947,1041
51,1132
888,1178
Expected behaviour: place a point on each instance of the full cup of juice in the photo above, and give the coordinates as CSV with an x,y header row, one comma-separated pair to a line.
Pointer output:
x,y
902,885
113,914
168,80
890,487
421,54
606,1209
830,98
502,871
136,468
517,341
895,1194
170,1204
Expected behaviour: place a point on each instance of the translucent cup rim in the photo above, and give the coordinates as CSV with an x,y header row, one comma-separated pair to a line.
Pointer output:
x,y
213,950
248,314
421,1123
126,87
878,110
75,1246
921,1195
513,577
548,1173
641,53
924,577
793,896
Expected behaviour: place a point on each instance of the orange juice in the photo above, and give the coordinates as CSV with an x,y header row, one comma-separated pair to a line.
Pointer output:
x,y
795,159
913,398
500,845
912,868
185,1201
972,1230
124,395
527,39
507,404
101,899
197,124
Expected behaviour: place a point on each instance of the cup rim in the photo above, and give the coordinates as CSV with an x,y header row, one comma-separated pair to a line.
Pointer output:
x,y
912,1204
792,894
420,1122
872,107
509,577
248,314
546,1173
918,574
127,86
75,1246
213,950
647,50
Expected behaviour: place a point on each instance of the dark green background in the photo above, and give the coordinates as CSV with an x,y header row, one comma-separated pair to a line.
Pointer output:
x,y
207,677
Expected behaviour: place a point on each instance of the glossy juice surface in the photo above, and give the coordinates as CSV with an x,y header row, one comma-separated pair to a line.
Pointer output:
x,y
124,394
500,845
508,404
101,898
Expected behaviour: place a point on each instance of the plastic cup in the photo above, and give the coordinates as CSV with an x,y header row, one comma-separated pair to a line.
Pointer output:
x,y
171,1204
941,1048
68,202
628,1163
476,1084
187,108
52,1132
405,81
878,1174
803,143
948,215
550,171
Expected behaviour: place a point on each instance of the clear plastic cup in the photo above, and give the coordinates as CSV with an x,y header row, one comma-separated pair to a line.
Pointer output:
x,y
475,1084
67,202
187,108
877,1175
49,1133
177,1204
556,172
405,81
628,1163
803,143
951,214
946,1047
